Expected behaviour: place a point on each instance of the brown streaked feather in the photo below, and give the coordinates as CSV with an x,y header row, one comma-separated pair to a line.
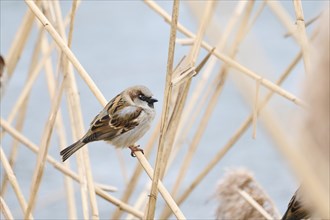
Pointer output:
x,y
128,121
111,121
296,210
103,117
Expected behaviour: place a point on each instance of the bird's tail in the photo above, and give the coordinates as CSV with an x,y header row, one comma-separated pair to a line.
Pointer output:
x,y
67,152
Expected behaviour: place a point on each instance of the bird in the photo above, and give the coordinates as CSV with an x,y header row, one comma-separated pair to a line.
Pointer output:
x,y
297,208
122,122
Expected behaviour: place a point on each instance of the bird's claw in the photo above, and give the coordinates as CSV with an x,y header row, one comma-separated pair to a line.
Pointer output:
x,y
135,148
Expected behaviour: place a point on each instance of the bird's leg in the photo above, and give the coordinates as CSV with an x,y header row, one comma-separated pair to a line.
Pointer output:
x,y
135,148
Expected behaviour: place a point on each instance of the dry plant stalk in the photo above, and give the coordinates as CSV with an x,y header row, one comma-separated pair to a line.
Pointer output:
x,y
42,154
19,41
66,50
22,112
72,213
231,62
167,197
301,32
234,189
13,181
186,77
59,124
5,210
309,22
255,204
160,165
27,87
192,110
87,188
255,110
217,85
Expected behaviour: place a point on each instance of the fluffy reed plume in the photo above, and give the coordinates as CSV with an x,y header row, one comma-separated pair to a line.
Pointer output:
x,y
315,134
232,205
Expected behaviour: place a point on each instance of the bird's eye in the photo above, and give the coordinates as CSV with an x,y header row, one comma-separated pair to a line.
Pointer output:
x,y
142,97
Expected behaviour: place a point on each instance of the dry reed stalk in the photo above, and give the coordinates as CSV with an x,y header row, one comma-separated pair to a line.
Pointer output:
x,y
137,172
13,181
51,12
66,50
255,110
309,22
217,85
160,165
19,42
59,166
256,15
167,197
232,63
107,188
21,114
187,76
302,35
72,213
194,50
61,134
177,111
141,202
184,41
193,109
76,121
241,130
72,17
122,165
241,197
42,154
277,8
255,204
28,84
74,103
27,88
207,15
5,210
298,34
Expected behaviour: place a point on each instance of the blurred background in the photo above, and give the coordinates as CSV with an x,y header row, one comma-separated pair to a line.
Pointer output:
x,y
125,43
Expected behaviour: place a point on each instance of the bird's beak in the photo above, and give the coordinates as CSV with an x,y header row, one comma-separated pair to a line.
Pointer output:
x,y
152,100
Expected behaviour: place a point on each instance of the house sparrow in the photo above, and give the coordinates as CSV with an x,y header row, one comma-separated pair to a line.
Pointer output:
x,y
123,121
297,208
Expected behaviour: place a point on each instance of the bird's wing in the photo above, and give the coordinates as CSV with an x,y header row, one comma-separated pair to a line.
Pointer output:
x,y
296,209
113,120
